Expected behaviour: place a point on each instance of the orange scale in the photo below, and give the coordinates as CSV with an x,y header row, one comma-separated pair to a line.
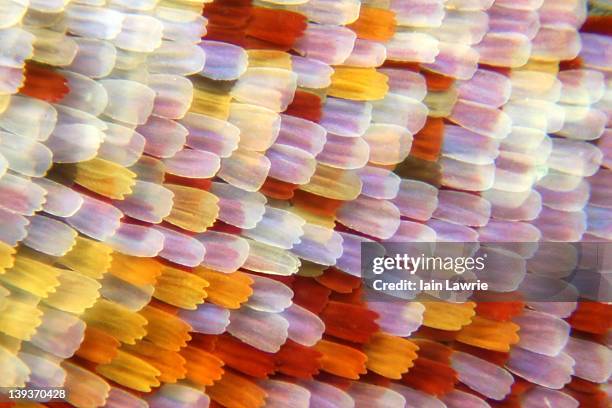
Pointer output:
x,y
202,184
228,12
338,281
224,18
437,82
309,294
499,310
427,143
205,342
592,317
433,350
227,20
203,368
281,27
244,358
227,290
298,361
165,330
341,360
235,390
43,83
446,315
489,334
430,376
280,190
598,25
180,287
374,24
326,207
305,105
135,270
98,346
170,364
234,36
356,297
390,356
349,322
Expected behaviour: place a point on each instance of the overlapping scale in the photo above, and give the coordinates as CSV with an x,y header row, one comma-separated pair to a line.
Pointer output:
x,y
185,188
